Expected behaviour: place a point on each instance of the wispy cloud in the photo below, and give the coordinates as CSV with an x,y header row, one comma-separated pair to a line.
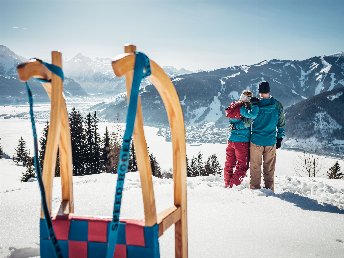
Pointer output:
x,y
18,28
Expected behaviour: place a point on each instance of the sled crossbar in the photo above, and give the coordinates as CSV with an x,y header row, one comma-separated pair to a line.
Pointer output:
x,y
168,218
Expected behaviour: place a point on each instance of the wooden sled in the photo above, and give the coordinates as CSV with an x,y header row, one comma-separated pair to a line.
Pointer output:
x,y
59,137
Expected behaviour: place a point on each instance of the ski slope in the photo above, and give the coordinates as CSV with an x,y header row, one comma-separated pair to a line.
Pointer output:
x,y
304,218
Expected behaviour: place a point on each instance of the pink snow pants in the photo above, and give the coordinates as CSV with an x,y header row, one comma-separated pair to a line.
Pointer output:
x,y
237,160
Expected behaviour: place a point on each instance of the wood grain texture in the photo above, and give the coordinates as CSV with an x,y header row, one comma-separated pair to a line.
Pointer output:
x,y
123,65
59,130
142,158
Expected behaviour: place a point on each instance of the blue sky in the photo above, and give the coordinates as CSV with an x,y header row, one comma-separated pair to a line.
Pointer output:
x,y
190,34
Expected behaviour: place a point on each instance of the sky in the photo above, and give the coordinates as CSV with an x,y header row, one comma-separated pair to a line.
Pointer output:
x,y
181,33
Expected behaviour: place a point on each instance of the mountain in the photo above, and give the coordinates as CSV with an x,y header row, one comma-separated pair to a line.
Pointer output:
x,y
13,91
204,95
317,123
96,76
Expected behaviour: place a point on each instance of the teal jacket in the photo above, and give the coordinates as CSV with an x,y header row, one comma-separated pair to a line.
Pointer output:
x,y
242,127
268,124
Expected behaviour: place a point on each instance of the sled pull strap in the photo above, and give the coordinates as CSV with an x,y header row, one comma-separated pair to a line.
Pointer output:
x,y
46,212
141,70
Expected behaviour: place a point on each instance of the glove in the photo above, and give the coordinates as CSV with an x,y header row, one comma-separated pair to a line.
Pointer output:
x,y
254,101
279,143
232,127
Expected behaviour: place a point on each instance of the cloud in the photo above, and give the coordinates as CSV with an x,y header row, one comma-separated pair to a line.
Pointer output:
x,y
18,28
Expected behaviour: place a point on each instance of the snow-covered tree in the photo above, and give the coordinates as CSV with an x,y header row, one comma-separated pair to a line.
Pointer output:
x,y
334,172
97,145
132,159
156,169
194,171
29,172
78,141
21,153
212,166
1,151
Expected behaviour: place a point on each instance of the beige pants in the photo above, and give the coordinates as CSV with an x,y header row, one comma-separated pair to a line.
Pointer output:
x,y
269,161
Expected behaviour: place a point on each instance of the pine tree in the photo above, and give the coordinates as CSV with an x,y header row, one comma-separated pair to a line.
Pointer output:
x,y
115,150
21,156
334,172
1,151
105,153
188,167
156,169
132,159
78,142
212,166
200,164
88,155
29,172
43,144
193,167
96,166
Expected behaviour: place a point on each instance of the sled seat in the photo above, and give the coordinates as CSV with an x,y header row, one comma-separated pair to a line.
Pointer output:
x,y
86,237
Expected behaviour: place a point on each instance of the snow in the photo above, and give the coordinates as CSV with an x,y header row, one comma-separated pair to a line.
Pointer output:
x,y
322,75
215,110
304,218
332,82
324,123
336,96
234,95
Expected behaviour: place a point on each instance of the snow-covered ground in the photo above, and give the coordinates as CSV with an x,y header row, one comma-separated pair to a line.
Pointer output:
x,y
304,218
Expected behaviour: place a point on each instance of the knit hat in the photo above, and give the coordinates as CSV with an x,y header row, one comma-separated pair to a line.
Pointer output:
x,y
264,87
245,96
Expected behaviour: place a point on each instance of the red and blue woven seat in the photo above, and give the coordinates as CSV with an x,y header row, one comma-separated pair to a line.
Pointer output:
x,y
86,237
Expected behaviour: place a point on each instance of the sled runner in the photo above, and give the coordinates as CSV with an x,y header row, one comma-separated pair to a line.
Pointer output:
x,y
68,235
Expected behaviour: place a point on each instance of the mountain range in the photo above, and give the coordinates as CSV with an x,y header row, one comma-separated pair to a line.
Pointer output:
x,y
317,124
96,76
206,94
13,91
304,87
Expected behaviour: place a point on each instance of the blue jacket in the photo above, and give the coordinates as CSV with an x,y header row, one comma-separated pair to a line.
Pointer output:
x,y
242,127
268,124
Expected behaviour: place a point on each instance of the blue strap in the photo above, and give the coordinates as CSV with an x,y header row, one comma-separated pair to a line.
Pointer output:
x,y
40,181
52,68
58,252
141,70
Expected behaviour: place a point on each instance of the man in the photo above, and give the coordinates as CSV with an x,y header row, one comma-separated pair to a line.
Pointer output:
x,y
237,152
267,135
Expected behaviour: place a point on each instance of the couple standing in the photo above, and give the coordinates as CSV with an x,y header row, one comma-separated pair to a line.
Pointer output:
x,y
256,131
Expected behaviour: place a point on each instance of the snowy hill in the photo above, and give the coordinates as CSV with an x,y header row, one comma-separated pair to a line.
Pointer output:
x,y
318,122
13,91
304,218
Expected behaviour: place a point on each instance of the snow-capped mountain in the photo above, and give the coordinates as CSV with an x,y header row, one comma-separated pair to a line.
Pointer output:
x,y
96,76
317,123
204,95
13,91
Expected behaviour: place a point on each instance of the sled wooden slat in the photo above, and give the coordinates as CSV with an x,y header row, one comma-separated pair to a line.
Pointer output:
x,y
168,218
124,65
64,209
59,132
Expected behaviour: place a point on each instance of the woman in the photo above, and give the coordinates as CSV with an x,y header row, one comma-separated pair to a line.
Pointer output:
x,y
240,114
